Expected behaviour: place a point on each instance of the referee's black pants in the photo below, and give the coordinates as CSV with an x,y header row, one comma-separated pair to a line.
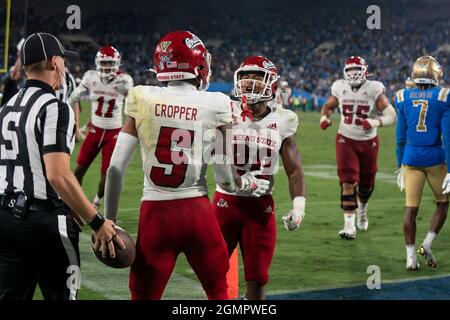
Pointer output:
x,y
41,249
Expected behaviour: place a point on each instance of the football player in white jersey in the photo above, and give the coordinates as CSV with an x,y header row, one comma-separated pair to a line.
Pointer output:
x,y
364,107
261,134
175,125
106,88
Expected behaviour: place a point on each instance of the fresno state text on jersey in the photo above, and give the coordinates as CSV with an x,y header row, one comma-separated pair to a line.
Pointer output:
x,y
257,143
107,99
355,106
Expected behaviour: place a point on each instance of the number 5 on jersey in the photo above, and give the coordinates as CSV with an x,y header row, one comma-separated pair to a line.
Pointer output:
x,y
362,112
170,150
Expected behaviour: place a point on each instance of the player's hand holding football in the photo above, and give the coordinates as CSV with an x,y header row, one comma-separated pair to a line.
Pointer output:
x,y
253,185
293,218
104,238
446,184
324,122
401,178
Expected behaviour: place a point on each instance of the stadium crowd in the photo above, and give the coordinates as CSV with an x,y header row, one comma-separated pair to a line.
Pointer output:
x,y
308,52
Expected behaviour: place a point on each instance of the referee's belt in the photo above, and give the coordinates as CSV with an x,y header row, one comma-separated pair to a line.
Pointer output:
x,y
34,204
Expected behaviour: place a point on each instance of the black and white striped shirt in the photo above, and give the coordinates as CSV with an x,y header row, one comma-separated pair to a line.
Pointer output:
x,y
34,122
68,86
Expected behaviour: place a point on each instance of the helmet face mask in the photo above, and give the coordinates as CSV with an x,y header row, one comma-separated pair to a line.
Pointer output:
x,y
107,62
107,69
255,86
355,71
204,74
256,80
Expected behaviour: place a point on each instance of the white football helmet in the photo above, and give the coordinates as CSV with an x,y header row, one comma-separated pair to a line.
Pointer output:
x,y
355,70
107,62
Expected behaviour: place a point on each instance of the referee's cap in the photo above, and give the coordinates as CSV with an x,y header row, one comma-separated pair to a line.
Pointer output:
x,y
40,46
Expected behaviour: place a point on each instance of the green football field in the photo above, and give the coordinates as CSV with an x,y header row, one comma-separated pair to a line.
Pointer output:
x,y
312,257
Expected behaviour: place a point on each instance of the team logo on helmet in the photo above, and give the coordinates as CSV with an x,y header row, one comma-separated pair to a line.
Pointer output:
x,y
361,59
165,59
165,45
268,64
190,43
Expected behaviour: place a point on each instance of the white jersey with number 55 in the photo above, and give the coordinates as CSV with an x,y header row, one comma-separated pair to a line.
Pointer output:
x,y
175,125
355,106
107,99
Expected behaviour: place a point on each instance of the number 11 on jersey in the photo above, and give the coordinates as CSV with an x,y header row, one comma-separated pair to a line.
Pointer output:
x,y
109,111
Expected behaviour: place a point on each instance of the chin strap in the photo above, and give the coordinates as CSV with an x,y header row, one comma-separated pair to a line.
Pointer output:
x,y
108,79
246,113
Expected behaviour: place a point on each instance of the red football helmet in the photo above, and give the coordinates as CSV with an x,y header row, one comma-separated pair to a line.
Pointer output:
x,y
270,81
181,55
356,70
107,62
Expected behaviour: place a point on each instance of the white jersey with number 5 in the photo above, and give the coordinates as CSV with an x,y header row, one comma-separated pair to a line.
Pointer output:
x,y
107,99
175,125
355,106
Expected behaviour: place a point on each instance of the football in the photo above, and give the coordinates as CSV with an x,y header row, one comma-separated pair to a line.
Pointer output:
x,y
124,258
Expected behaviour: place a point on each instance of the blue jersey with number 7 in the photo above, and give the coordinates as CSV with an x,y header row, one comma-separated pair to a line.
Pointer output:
x,y
423,126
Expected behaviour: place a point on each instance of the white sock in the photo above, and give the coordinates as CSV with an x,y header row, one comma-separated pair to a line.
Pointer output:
x,y
362,206
97,199
349,219
410,250
428,242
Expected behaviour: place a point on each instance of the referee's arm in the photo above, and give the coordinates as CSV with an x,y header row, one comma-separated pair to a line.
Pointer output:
x,y
57,145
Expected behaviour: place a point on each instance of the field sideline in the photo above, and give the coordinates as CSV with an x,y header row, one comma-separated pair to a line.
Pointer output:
x,y
311,258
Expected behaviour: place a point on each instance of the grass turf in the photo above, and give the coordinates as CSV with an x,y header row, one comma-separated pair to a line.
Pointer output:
x,y
312,257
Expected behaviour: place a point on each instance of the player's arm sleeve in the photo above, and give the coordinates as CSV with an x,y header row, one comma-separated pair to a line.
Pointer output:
x,y
124,84
335,89
57,124
400,134
388,117
131,107
445,125
224,171
122,156
129,84
79,93
378,89
223,115
291,124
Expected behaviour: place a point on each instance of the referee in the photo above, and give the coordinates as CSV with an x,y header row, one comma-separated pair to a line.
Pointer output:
x,y
38,237
69,84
